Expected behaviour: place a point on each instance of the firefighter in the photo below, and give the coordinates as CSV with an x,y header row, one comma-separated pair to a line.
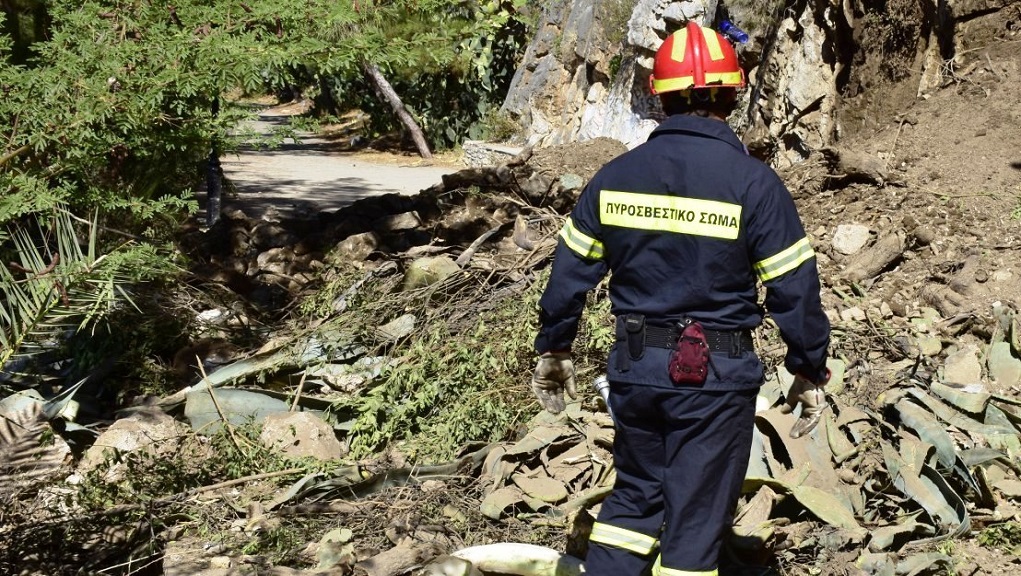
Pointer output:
x,y
686,224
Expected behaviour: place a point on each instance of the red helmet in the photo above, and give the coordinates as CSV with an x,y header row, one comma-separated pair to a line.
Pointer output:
x,y
695,57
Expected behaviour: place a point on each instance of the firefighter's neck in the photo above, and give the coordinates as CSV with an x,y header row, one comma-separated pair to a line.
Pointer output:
x,y
706,114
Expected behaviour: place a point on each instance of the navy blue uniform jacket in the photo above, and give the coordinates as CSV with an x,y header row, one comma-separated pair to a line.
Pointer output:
x,y
688,224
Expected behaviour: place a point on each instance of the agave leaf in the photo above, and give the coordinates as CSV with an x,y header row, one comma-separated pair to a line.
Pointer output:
x,y
973,402
926,487
929,430
953,417
885,537
923,563
840,446
818,501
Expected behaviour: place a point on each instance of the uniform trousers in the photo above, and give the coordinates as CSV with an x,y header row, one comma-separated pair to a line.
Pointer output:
x,y
680,456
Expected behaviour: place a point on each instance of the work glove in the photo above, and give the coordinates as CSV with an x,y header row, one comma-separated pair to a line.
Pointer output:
x,y
553,374
812,397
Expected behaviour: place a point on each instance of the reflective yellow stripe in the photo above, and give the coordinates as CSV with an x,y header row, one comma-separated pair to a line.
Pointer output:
x,y
659,570
620,538
785,261
662,213
723,78
670,84
687,82
680,45
580,243
712,41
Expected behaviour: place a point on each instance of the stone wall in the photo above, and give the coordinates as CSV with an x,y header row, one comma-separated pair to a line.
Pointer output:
x,y
585,75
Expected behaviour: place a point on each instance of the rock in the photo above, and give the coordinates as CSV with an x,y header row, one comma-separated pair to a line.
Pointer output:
x,y
929,346
189,557
428,271
570,182
272,235
850,238
478,154
963,367
397,329
356,247
853,314
926,319
153,431
1009,488
301,435
1004,368
398,222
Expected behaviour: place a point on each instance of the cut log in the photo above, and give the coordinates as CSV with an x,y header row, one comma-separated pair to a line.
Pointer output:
x,y
870,262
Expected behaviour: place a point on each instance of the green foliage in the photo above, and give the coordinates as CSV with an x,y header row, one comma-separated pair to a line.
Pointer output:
x,y
451,63
453,387
497,125
182,464
61,285
119,107
445,392
1006,536
613,18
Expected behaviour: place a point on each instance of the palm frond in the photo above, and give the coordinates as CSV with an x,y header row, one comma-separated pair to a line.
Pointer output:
x,y
57,286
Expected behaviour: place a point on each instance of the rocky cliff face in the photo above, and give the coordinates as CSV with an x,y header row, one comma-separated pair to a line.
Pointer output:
x,y
818,69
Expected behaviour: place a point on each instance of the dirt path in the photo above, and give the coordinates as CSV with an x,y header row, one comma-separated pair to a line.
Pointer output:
x,y
299,179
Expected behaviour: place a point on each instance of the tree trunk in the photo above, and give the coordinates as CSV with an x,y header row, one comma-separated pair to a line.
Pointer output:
x,y
214,176
387,91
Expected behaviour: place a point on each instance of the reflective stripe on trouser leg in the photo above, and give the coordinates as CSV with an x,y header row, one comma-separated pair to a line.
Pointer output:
x,y
635,506
659,570
622,538
706,453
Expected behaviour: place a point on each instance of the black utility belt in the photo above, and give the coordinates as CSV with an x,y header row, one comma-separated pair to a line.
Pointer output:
x,y
637,334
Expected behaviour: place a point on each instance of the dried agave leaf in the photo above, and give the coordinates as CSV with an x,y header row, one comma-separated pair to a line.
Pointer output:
x,y
818,501
810,452
499,500
541,488
758,465
928,429
837,369
598,436
972,402
570,465
849,414
923,563
538,438
883,538
877,564
755,512
586,499
926,487
840,446
557,447
955,418
985,497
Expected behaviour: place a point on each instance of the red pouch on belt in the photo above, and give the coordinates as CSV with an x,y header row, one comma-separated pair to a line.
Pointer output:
x,y
689,360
